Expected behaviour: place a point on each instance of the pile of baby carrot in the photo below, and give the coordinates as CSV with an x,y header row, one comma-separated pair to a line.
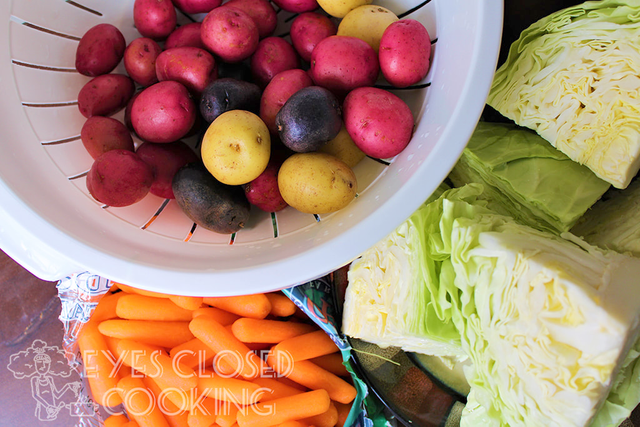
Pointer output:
x,y
242,361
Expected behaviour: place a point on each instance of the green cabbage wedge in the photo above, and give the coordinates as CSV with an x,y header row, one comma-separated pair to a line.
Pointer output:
x,y
548,323
574,77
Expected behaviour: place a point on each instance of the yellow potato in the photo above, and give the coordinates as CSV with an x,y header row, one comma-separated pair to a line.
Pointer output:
x,y
343,147
340,8
367,23
316,183
236,147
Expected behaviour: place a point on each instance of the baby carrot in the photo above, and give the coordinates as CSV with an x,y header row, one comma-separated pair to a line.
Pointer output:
x,y
163,334
132,290
343,413
141,307
99,368
294,423
275,389
266,414
222,316
227,414
250,330
326,419
307,346
140,404
204,414
223,343
117,420
188,303
281,306
312,376
106,308
193,353
233,390
331,362
131,424
256,306
175,416
148,361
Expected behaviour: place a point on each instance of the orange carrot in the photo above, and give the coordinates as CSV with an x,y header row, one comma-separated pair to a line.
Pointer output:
x,y
268,331
222,316
274,412
141,307
343,413
139,403
256,306
106,308
307,346
333,363
188,303
281,306
102,376
193,353
227,414
233,390
326,419
117,420
227,346
291,383
132,290
131,424
204,414
182,400
163,334
312,376
175,416
275,389
294,423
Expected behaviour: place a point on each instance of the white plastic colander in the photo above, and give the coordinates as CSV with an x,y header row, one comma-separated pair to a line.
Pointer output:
x,y
52,226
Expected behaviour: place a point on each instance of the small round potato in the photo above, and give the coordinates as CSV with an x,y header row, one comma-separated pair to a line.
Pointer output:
x,y
316,183
340,8
367,23
236,147
343,147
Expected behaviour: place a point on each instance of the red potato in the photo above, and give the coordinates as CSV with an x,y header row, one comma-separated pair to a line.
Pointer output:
x,y
163,112
297,6
140,60
105,95
262,13
119,178
195,68
165,160
102,134
344,63
278,91
100,50
185,35
272,56
197,6
155,19
405,49
263,192
379,122
127,111
230,33
307,30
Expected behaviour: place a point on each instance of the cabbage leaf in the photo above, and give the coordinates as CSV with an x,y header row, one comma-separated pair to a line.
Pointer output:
x,y
574,78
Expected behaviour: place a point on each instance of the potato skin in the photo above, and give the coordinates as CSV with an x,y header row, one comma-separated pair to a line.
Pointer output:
x,y
165,160
297,6
185,35
209,203
197,6
140,60
262,13
100,50
230,33
101,134
195,68
405,50
236,147
343,63
368,23
155,19
272,56
343,147
163,112
316,183
340,8
278,91
307,30
379,122
119,178
105,95
263,192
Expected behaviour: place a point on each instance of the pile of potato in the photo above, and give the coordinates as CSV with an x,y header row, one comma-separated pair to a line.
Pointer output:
x,y
279,123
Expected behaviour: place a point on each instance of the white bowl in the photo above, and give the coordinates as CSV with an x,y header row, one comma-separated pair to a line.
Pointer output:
x,y
52,226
